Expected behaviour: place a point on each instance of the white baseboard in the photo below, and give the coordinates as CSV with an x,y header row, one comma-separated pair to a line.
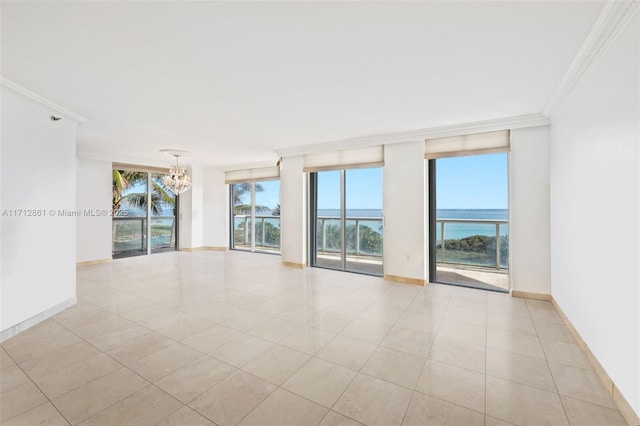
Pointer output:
x,y
30,322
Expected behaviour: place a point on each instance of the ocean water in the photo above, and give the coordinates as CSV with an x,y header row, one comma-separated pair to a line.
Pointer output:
x,y
452,230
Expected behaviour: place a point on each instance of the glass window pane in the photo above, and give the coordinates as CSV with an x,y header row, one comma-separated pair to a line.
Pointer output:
x,y
241,209
163,216
268,216
130,212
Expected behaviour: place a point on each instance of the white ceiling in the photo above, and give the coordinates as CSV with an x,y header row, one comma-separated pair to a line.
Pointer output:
x,y
234,81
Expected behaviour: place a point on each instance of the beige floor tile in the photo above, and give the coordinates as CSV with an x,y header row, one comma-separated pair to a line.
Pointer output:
x,y
186,417
424,323
147,406
523,405
276,364
87,400
454,384
307,339
514,324
139,347
373,401
285,409
211,339
274,329
394,366
118,336
61,381
11,375
550,331
194,378
164,362
320,381
580,384
232,399
492,421
245,321
586,414
331,322
459,354
185,327
241,349
35,334
464,314
41,346
336,419
44,414
410,341
383,315
368,331
520,369
543,312
347,352
19,399
464,332
517,343
565,353
58,359
427,410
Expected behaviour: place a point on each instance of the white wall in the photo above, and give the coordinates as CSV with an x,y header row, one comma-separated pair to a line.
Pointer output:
x,y
529,221
93,193
293,211
38,172
405,240
594,210
191,211
216,210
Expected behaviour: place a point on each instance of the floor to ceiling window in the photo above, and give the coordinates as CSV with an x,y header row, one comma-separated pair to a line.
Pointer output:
x,y
255,209
469,219
346,220
144,214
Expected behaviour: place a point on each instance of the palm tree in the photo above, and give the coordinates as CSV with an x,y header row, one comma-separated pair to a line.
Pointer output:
x,y
239,190
124,181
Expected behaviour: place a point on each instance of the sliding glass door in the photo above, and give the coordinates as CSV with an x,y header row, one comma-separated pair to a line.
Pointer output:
x,y
255,209
470,221
144,214
346,220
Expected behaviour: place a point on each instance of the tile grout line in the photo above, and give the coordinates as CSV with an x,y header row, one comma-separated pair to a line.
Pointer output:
x,y
37,387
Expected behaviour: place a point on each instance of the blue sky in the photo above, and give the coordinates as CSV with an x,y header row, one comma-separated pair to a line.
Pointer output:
x,y
364,189
473,182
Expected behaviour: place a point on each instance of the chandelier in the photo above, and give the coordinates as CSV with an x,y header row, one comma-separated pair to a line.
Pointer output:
x,y
177,181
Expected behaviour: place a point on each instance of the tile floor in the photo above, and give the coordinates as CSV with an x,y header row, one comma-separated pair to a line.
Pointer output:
x,y
235,338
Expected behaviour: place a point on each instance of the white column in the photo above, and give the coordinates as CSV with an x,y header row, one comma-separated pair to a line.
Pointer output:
x,y
216,211
293,212
191,211
529,223
405,213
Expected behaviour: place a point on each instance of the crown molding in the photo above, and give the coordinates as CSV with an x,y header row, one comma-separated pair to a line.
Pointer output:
x,y
613,18
15,87
515,122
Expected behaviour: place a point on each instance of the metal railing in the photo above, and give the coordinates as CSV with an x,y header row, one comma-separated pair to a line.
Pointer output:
x,y
358,235
267,231
491,252
130,233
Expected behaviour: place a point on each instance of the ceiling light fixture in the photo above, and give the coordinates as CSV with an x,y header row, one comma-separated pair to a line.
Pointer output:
x,y
177,181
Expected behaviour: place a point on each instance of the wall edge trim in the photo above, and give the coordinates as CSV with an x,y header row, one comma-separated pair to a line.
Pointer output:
x,y
406,280
93,262
623,405
293,264
36,319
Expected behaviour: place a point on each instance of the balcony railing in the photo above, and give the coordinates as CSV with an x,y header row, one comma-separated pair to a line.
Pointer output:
x,y
130,233
267,232
473,242
363,236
